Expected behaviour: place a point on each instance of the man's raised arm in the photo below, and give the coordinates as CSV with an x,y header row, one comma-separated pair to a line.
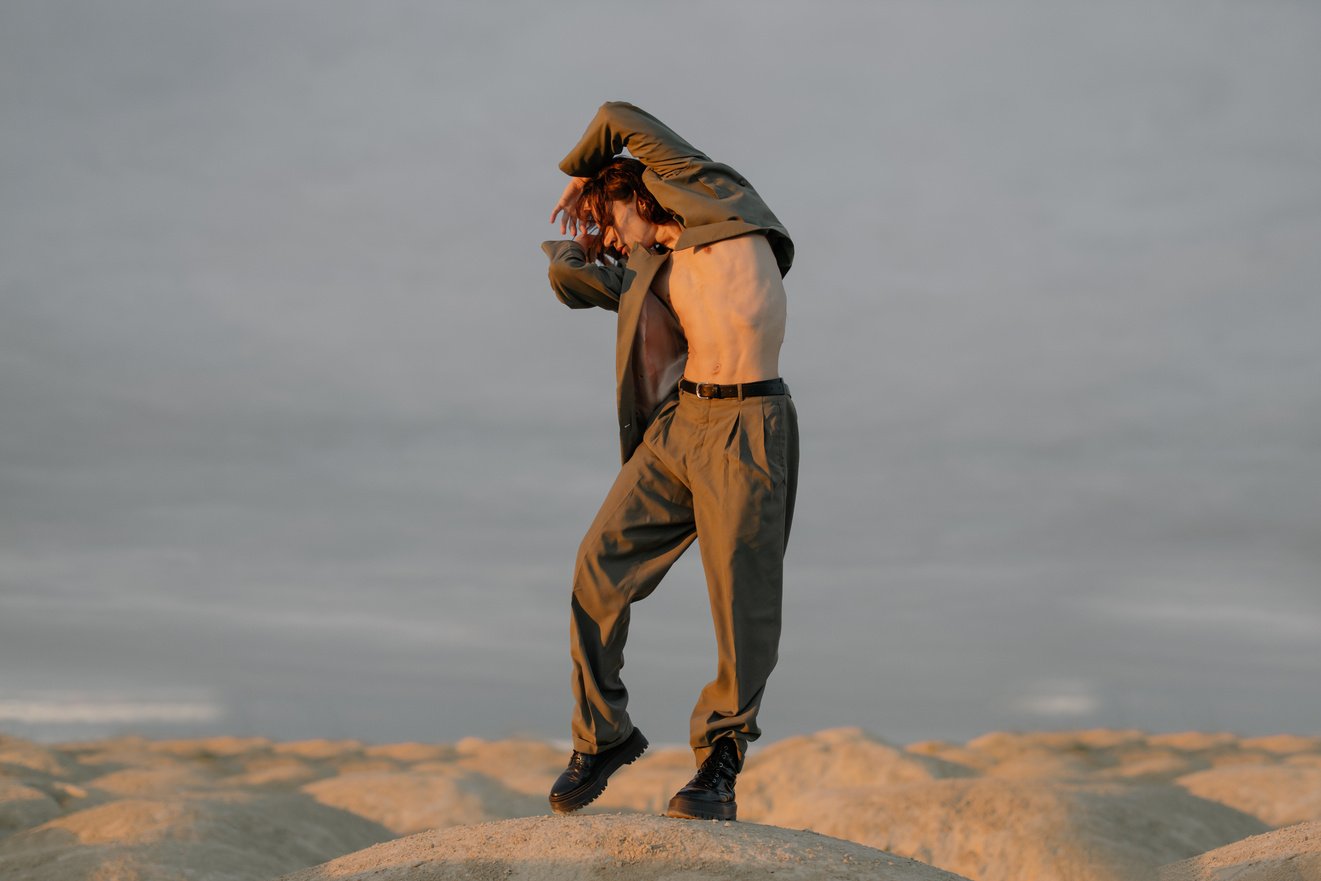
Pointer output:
x,y
578,282
619,125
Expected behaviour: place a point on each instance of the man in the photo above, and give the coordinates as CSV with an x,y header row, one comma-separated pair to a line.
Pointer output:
x,y
687,253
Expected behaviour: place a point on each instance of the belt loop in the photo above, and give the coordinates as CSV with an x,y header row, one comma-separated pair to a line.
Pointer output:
x,y
740,391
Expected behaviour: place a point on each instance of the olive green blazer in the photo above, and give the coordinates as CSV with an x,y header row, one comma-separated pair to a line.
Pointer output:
x,y
710,200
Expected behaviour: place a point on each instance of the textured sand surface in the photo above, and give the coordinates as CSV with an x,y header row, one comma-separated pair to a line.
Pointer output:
x,y
1289,854
1277,794
998,830
626,847
1100,805
222,836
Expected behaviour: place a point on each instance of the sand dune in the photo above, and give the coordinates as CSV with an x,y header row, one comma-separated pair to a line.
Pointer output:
x,y
1002,830
1100,805
626,847
23,758
407,802
1289,854
235,836
842,757
1278,795
23,806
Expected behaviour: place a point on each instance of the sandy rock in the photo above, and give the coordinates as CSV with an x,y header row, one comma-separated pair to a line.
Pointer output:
x,y
126,821
1090,739
320,749
1099,805
271,771
1001,830
999,744
286,778
67,795
92,759
646,785
210,747
955,754
1069,755
1289,854
21,758
115,743
1225,758
1107,738
410,753
1041,763
525,766
407,802
235,837
1195,741
622,848
1151,764
1276,794
1283,744
24,806
832,758
151,782
365,765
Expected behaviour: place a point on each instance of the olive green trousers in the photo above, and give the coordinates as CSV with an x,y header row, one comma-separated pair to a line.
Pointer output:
x,y
723,471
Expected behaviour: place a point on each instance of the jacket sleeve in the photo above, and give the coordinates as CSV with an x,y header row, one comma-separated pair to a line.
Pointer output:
x,y
618,125
578,283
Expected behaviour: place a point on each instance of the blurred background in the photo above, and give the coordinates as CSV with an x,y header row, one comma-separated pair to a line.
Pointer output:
x,y
296,441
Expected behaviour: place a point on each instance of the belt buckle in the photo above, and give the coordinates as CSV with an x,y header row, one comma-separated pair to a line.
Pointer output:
x,y
714,386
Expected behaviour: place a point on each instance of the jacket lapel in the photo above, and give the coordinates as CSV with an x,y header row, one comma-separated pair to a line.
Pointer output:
x,y
642,266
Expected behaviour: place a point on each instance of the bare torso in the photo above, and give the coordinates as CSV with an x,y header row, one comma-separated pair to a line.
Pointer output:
x,y
730,300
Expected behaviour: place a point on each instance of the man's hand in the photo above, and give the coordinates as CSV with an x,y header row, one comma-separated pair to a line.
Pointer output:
x,y
591,245
568,204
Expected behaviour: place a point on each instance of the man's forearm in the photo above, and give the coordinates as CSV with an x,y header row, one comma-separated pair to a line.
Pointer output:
x,y
579,283
619,125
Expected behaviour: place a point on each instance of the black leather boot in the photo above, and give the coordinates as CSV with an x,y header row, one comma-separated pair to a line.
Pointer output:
x,y
586,776
710,794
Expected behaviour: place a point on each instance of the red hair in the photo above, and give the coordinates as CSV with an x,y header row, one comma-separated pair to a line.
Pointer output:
x,y
619,181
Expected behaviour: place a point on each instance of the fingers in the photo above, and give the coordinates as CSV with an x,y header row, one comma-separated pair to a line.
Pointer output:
x,y
568,222
565,220
564,207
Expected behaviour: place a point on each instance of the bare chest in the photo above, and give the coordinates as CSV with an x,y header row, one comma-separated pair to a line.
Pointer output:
x,y
728,281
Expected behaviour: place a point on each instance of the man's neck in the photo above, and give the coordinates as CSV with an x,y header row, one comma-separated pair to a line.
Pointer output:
x,y
667,234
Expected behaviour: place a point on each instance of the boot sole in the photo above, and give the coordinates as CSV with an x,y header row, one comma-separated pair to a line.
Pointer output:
x,y
587,793
691,809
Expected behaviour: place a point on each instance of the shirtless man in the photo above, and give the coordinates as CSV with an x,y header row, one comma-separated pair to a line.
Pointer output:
x,y
690,257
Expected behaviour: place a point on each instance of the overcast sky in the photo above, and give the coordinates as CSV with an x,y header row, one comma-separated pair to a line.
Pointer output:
x,y
296,441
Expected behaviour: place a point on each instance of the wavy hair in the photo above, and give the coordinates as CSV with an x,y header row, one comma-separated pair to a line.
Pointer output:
x,y
620,180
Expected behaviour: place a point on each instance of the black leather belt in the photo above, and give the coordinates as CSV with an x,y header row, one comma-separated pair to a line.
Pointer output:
x,y
738,390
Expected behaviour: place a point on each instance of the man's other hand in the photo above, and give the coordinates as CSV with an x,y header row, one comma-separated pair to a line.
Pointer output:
x,y
568,204
591,245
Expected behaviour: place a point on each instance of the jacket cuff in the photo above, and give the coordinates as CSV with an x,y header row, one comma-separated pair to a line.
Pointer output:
x,y
555,247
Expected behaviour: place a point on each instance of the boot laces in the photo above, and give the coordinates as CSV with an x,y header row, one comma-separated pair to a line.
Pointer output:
x,y
719,766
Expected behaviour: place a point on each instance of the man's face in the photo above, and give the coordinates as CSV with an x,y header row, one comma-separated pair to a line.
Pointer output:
x,y
627,227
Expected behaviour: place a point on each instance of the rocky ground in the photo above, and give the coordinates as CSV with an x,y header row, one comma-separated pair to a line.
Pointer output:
x,y
1100,805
